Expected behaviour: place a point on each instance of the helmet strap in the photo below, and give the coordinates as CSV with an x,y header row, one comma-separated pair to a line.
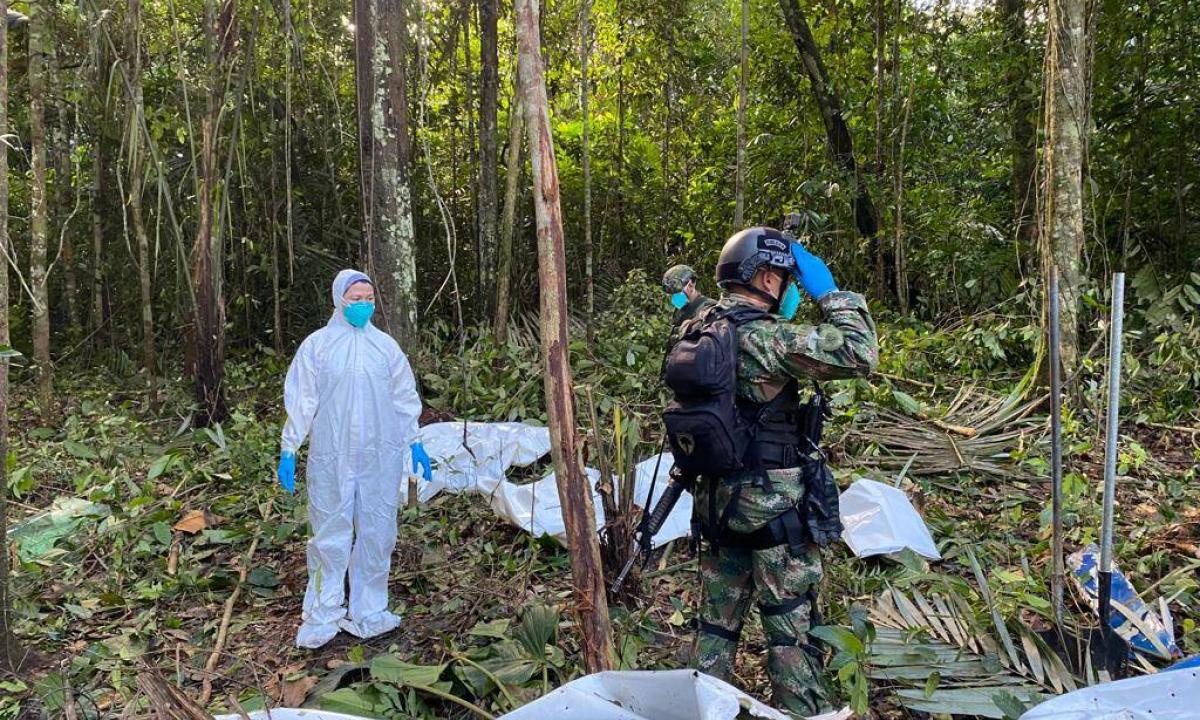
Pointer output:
x,y
765,297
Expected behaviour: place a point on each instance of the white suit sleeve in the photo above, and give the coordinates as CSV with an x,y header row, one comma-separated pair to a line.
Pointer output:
x,y
405,398
300,397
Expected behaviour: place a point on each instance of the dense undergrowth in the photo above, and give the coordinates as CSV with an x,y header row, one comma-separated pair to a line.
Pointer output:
x,y
488,621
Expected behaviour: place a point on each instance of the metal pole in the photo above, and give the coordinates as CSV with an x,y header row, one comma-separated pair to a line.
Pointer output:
x,y
1114,398
1057,576
1114,647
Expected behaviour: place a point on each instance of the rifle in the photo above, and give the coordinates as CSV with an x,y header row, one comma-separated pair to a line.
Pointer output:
x,y
650,524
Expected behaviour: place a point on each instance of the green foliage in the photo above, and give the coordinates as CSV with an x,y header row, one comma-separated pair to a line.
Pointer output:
x,y
852,656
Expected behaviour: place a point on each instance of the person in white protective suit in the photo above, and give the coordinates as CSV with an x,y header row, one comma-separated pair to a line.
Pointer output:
x,y
351,392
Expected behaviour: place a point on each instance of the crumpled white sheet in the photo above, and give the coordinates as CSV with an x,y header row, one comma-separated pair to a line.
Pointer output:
x,y
650,695
879,519
479,466
628,695
1172,695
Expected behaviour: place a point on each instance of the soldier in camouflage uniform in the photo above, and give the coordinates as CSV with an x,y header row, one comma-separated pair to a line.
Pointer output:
x,y
759,267
679,281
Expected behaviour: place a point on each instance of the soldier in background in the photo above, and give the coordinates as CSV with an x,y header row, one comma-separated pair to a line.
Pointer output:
x,y
680,283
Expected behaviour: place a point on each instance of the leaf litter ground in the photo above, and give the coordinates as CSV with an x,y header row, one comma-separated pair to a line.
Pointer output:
x,y
146,586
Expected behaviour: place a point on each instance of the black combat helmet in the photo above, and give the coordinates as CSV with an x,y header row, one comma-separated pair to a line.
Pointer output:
x,y
749,250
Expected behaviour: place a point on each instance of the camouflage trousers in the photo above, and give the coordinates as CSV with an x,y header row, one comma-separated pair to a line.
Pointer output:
x,y
785,586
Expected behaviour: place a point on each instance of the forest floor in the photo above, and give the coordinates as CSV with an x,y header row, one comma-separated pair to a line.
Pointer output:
x,y
143,578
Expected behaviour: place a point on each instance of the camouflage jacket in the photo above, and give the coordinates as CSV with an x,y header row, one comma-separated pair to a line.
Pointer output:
x,y
773,352
770,354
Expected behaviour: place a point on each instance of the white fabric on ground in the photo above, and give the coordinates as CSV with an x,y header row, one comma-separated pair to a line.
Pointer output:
x,y
879,519
479,466
650,695
1173,695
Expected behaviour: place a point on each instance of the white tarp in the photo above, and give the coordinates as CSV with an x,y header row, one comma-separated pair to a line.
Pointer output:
x,y
649,695
475,457
879,519
479,465
1173,695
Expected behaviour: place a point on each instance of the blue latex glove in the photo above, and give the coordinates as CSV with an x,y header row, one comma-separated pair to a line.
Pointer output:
x,y
812,273
420,461
287,471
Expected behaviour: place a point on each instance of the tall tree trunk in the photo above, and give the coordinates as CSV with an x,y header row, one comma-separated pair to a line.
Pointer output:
x,y
574,493
137,153
585,50
841,145
739,184
8,648
64,134
900,108
1022,133
880,254
208,319
489,86
1068,49
97,318
38,211
512,180
619,181
380,42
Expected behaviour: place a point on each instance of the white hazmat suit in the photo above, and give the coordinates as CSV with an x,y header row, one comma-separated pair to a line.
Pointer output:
x,y
351,391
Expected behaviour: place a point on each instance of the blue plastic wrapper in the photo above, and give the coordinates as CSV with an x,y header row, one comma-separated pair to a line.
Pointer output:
x,y
1126,604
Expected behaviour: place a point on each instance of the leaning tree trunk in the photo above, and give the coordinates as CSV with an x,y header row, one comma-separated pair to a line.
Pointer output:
x,y
1067,125
841,145
573,490
38,221
1022,133
512,180
380,47
208,316
489,82
739,183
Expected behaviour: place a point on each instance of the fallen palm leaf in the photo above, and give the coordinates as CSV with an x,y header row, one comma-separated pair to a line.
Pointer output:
x,y
978,433
942,662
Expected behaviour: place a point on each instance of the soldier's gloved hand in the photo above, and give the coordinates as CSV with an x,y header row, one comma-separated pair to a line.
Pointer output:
x,y
812,273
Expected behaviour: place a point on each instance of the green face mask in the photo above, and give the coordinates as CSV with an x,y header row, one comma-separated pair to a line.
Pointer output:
x,y
790,302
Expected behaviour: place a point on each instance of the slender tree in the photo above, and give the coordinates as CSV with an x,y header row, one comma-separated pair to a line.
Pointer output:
x,y
1022,133
489,82
380,49
585,50
512,180
739,185
837,132
1068,121
574,492
39,212
8,649
137,171
208,316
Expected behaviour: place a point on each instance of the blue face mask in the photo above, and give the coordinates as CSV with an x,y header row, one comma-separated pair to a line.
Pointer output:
x,y
359,314
679,300
790,302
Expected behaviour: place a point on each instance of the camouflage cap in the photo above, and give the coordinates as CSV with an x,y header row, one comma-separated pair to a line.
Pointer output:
x,y
677,277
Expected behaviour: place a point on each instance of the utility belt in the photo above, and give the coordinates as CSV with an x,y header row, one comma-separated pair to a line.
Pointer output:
x,y
814,519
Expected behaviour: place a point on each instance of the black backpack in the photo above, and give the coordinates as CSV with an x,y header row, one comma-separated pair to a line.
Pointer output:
x,y
708,431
